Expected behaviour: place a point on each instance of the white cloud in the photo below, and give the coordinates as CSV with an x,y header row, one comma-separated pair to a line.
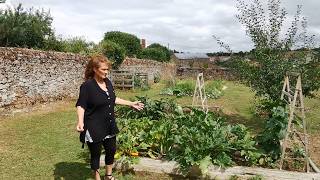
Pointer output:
x,y
6,5
186,25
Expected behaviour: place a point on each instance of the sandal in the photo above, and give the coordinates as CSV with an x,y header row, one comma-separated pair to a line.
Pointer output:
x,y
109,177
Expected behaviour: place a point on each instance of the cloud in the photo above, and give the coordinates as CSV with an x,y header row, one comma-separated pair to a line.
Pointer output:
x,y
6,5
184,25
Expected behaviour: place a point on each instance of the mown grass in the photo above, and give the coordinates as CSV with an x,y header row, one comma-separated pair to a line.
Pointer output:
x,y
37,146
44,145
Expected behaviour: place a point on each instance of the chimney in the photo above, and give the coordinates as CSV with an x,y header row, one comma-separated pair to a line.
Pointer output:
x,y
143,43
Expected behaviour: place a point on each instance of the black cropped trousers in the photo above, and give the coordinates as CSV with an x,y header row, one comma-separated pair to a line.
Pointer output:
x,y
109,145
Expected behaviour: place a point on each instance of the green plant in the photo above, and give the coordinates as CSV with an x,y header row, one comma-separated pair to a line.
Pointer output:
x,y
202,136
141,83
234,177
129,42
186,88
25,28
153,109
256,177
214,89
112,51
153,53
274,131
298,151
272,56
76,45
162,48
179,88
163,130
264,106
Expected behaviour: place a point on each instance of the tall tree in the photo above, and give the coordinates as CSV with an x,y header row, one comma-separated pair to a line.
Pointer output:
x,y
25,28
274,55
129,42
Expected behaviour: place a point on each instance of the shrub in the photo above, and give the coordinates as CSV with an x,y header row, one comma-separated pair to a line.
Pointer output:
x,y
153,53
112,51
162,48
76,45
129,42
54,43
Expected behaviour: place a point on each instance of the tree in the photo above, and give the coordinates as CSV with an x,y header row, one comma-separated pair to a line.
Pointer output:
x,y
20,28
273,56
76,45
112,51
153,53
129,42
161,48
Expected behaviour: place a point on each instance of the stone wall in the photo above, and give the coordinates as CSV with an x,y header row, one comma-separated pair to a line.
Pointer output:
x,y
208,73
30,76
165,70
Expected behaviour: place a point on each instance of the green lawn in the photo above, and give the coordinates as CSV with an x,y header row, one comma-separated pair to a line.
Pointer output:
x,y
44,145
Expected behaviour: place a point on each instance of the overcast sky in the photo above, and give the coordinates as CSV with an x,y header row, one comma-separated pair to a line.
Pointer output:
x,y
184,25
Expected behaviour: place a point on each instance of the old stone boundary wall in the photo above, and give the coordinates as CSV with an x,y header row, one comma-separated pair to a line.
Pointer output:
x,y
30,76
215,72
152,68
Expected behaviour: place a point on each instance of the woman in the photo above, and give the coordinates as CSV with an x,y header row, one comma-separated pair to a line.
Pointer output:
x,y
95,110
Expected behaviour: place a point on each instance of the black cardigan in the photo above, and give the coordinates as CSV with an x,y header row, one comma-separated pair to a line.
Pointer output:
x,y
99,117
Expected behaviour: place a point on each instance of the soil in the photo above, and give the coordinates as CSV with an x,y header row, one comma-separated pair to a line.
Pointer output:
x,y
314,145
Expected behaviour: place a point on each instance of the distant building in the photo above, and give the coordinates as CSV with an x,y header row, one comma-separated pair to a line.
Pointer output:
x,y
219,58
192,60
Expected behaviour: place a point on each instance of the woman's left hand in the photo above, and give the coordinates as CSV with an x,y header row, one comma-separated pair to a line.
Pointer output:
x,y
138,105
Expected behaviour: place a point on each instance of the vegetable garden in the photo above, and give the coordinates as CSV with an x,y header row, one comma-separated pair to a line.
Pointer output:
x,y
166,130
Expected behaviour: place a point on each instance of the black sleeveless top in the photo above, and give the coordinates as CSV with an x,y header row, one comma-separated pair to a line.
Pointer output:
x,y
99,117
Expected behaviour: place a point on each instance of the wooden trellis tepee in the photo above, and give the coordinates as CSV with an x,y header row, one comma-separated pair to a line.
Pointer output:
x,y
294,99
199,95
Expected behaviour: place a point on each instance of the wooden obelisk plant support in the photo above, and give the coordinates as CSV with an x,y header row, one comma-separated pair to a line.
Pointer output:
x,y
199,95
294,99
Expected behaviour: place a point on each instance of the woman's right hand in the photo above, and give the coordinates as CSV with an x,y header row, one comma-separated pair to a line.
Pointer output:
x,y
80,127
